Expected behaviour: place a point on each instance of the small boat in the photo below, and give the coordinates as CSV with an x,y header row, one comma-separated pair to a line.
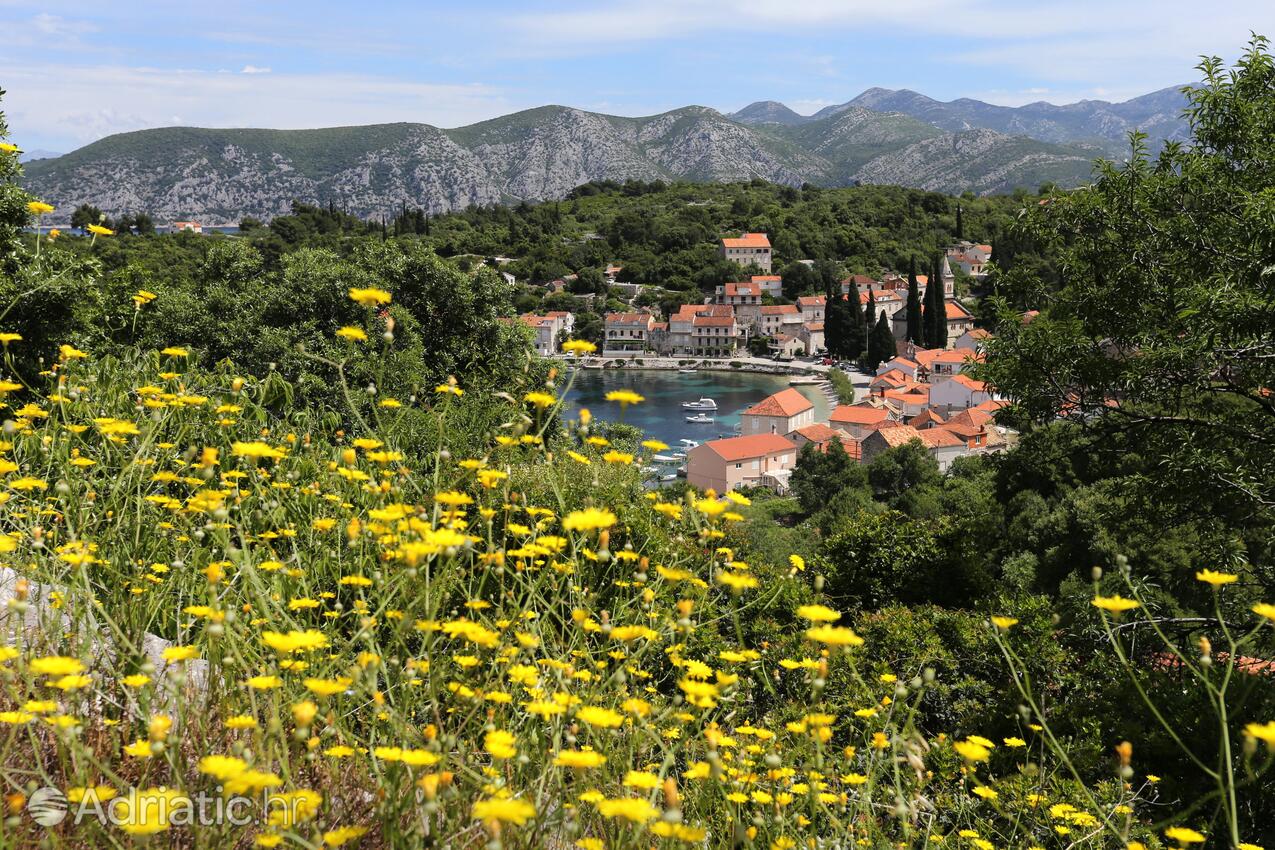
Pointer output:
x,y
689,444
688,371
702,404
666,458
699,418
806,380
672,476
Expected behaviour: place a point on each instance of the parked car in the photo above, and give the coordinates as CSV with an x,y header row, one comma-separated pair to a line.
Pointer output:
x,y
827,361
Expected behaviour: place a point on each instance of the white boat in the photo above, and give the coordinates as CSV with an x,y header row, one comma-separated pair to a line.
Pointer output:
x,y
702,404
671,477
689,444
666,458
699,418
688,371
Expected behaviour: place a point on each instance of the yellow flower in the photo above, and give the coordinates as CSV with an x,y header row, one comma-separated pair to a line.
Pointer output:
x,y
152,811
352,333
579,759
1215,578
39,207
834,636
264,683
1115,604
174,654
539,399
370,297
70,352
579,346
500,744
634,809
175,351
99,230
295,641
1004,623
589,519
256,449
8,147
517,812
818,613
971,751
625,397
7,338
1183,835
598,716
56,665
343,835
1262,731
1265,609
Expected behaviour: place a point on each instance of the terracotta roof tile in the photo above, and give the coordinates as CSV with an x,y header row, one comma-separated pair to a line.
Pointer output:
x,y
755,445
787,402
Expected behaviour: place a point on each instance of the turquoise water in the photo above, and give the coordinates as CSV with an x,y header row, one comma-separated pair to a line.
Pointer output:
x,y
661,416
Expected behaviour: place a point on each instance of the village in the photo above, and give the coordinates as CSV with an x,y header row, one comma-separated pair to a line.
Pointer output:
x,y
921,394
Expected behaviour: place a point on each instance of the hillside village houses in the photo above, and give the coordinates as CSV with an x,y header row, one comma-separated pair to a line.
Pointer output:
x,y
970,258
748,249
921,394
552,329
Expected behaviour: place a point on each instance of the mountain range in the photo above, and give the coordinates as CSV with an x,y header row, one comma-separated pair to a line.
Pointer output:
x,y
881,136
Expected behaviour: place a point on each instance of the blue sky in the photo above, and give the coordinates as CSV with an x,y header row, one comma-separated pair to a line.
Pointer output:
x,y
75,72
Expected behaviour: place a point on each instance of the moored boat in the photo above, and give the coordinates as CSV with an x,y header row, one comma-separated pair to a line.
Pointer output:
x,y
703,404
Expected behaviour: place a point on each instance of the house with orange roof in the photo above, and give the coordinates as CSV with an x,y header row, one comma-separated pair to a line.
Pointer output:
x,y
971,258
811,336
779,318
883,439
926,419
627,334
959,321
743,298
701,330
902,365
859,283
748,249
551,329
910,400
750,460
771,284
785,345
958,393
822,436
944,446
951,363
857,420
781,413
812,307
973,340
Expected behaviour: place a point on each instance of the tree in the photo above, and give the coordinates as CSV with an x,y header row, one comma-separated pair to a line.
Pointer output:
x,y
960,222
1161,336
914,331
799,279
870,318
820,476
875,559
881,346
86,214
935,319
857,333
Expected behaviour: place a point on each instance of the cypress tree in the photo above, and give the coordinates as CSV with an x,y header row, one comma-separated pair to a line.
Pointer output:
x,y
960,222
870,320
933,290
834,324
857,335
914,332
881,344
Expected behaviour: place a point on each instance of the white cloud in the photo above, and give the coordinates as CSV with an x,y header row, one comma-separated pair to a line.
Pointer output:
x,y
74,106
254,69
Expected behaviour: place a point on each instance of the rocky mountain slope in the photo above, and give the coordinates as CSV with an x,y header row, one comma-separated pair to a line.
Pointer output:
x,y
1089,122
538,154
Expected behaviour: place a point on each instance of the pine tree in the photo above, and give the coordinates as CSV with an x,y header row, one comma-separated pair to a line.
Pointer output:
x,y
914,331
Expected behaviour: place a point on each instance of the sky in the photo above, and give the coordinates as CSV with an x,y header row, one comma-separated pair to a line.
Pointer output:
x,y
75,72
